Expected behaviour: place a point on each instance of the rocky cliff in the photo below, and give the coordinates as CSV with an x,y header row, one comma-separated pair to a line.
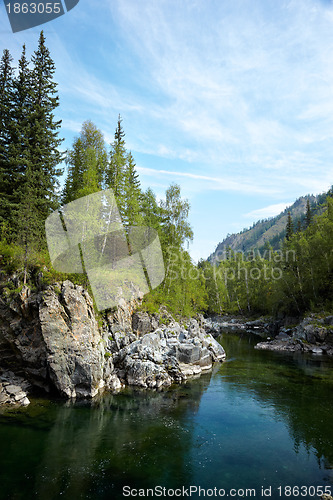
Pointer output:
x,y
51,340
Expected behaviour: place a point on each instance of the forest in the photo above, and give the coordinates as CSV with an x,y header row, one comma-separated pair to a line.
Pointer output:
x,y
291,280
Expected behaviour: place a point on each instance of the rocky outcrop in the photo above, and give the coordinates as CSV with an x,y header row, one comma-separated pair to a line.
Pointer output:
x,y
314,334
169,354
53,340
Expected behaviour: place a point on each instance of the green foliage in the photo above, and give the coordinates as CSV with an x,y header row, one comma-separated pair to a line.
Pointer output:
x,y
183,289
294,280
273,229
86,164
29,154
11,257
289,227
6,118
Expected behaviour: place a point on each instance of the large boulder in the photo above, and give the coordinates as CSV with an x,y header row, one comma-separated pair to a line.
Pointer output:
x,y
74,347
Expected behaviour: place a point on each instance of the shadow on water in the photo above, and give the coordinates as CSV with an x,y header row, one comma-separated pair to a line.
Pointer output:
x,y
260,419
92,449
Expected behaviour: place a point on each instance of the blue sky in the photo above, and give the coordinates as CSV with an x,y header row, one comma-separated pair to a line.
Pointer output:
x,y
233,100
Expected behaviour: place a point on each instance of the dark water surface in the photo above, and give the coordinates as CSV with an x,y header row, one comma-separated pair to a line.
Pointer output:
x,y
260,419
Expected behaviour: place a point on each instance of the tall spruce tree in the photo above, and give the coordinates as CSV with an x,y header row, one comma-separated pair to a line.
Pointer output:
x,y
132,203
19,150
308,214
43,141
151,211
36,155
289,227
6,108
117,165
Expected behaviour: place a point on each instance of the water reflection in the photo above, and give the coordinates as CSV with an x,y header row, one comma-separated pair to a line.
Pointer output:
x,y
91,450
261,418
298,387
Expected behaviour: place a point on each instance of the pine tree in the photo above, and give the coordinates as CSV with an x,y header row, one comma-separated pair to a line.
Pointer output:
x,y
19,150
289,227
44,142
90,178
151,211
308,215
132,203
36,153
117,165
6,103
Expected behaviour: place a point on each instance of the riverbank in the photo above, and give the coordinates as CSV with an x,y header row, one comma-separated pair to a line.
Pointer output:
x,y
56,344
257,419
313,334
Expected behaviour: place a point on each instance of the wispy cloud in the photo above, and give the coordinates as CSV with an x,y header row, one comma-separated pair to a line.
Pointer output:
x,y
207,182
266,212
246,85
222,96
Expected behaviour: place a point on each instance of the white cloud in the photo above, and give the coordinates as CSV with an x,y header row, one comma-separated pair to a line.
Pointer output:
x,y
265,212
222,96
208,182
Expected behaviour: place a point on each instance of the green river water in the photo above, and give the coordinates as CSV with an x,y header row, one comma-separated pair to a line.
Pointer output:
x,y
258,426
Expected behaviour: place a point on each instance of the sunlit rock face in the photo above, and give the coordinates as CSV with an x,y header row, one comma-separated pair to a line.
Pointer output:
x,y
170,354
53,340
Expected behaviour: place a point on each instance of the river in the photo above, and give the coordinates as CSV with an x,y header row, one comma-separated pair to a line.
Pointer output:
x,y
258,426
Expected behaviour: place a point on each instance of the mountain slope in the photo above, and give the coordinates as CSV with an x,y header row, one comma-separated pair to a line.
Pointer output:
x,y
270,230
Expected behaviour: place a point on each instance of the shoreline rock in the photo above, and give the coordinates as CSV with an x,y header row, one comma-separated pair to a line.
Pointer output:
x,y
313,334
168,355
52,338
13,389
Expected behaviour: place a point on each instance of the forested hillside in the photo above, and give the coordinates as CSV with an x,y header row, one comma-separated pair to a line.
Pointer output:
x,y
271,230
293,280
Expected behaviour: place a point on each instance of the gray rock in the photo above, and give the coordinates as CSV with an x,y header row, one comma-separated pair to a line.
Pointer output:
x,y
13,389
74,351
141,323
13,392
316,350
54,339
166,356
188,353
328,320
4,398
